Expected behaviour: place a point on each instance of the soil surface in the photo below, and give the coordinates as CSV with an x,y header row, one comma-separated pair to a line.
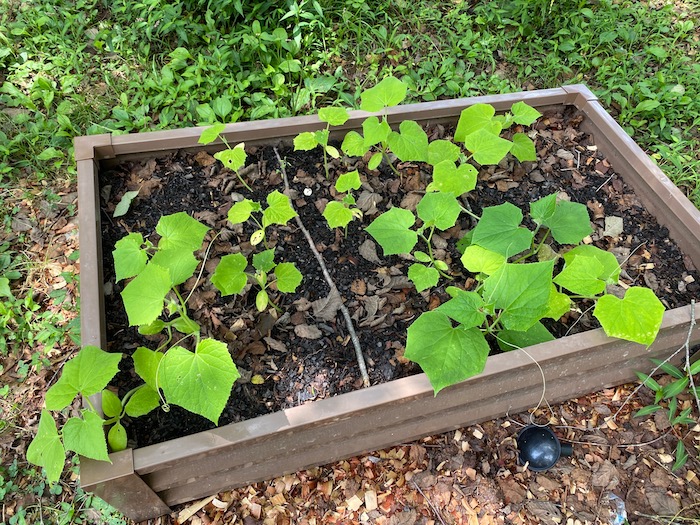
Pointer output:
x,y
304,353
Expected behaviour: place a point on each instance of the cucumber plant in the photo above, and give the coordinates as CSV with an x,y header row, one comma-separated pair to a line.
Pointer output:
x,y
278,211
339,214
308,140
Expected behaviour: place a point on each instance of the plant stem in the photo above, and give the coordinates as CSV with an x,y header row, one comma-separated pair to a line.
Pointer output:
x,y
334,289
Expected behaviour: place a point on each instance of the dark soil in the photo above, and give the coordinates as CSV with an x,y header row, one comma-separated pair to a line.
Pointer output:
x,y
381,300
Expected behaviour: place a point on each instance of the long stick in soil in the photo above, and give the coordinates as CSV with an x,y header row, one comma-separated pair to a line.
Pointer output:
x,y
334,289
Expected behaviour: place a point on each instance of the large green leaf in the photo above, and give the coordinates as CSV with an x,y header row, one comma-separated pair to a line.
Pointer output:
x,y
611,268
88,373
129,256
337,214
375,131
348,181
146,363
499,230
389,92
448,178
446,354
480,260
392,230
422,276
333,115
142,401
442,150
636,317
179,231
305,141
181,264
288,277
279,210
410,144
354,144
521,292
513,339
486,147
475,118
467,308
86,436
523,148
570,223
439,209
524,114
580,276
233,158
46,449
229,276
143,297
199,381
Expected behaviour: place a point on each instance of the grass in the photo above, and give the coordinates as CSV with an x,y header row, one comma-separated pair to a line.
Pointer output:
x,y
74,67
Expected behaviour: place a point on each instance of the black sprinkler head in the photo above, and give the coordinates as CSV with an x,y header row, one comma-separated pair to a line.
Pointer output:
x,y
540,448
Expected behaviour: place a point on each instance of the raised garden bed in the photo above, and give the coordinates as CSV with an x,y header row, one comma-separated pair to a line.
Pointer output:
x,y
144,482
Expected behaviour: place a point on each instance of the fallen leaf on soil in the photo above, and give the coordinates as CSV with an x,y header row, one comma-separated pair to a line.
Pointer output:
x,y
546,511
407,517
307,331
368,250
326,308
662,503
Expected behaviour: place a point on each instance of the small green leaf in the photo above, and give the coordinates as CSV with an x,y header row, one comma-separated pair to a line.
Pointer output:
x,y
354,144
143,297
146,363
422,276
542,209
264,261
229,276
232,158
262,300
480,260
241,211
333,115
305,141
199,381
257,237
523,148
422,256
111,404
348,181
375,131
446,354
486,147
210,134
337,215
153,328
645,411
475,118
674,388
129,256
46,449
514,339
466,308
499,230
439,209
442,150
389,92
570,223
142,401
637,317
279,210
375,160
125,203
85,436
392,231
179,231
410,144
668,368
524,114
333,152
88,373
116,437
448,178
558,304
681,456
185,325
288,277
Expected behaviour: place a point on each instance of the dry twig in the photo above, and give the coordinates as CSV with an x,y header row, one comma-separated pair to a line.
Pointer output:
x,y
334,289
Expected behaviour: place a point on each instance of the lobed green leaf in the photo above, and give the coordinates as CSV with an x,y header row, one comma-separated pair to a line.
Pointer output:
x,y
422,276
348,181
410,143
129,256
229,277
179,231
337,214
388,92
279,209
439,209
288,277
46,449
333,115
499,230
392,231
636,317
448,178
85,436
143,297
466,308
